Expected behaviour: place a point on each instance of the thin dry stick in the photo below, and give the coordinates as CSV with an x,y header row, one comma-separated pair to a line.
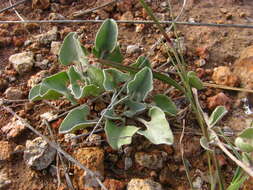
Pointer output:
x,y
55,146
219,143
227,87
14,5
83,12
19,16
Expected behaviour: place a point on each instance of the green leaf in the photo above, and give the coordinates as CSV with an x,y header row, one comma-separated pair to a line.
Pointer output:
x,y
141,62
243,144
114,56
119,136
247,133
194,81
90,90
112,78
133,108
217,115
158,129
75,81
166,104
205,144
72,51
141,85
34,94
59,83
106,38
96,76
76,119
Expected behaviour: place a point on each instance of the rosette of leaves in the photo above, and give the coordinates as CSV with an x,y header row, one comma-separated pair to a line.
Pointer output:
x,y
82,79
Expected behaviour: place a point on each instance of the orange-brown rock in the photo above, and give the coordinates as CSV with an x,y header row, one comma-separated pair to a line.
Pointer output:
x,y
219,100
222,75
93,159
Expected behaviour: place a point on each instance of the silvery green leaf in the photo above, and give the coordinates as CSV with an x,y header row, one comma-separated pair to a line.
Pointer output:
x,y
72,51
76,119
166,104
141,84
119,136
158,129
217,115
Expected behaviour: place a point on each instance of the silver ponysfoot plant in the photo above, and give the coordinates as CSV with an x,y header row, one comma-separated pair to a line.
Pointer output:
x,y
129,87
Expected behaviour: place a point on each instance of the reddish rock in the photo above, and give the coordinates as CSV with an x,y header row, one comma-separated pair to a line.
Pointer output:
x,y
222,75
92,158
202,52
113,184
18,42
219,100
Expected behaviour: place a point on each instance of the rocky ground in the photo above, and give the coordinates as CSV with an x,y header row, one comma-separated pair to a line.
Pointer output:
x,y
223,56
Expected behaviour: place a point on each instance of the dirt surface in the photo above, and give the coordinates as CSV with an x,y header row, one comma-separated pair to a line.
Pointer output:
x,y
216,46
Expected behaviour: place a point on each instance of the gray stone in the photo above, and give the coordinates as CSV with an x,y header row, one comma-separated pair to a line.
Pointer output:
x,y
13,93
42,64
55,47
38,154
22,62
47,37
143,184
133,49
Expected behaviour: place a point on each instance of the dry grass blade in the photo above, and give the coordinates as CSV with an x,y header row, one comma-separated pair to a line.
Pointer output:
x,y
55,146
227,87
83,12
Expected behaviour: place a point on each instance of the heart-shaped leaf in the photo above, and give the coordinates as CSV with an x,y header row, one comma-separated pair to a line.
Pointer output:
x,y
76,119
166,104
194,80
112,78
141,85
158,129
217,115
118,136
106,38
59,83
72,51
133,108
34,94
141,62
